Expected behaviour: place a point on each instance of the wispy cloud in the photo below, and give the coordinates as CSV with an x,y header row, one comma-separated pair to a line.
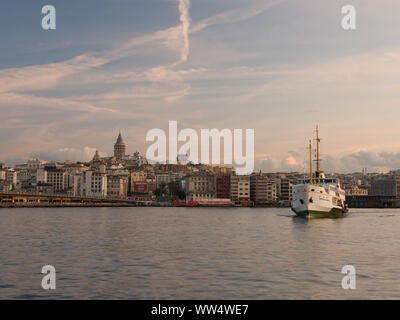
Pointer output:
x,y
235,15
42,77
62,154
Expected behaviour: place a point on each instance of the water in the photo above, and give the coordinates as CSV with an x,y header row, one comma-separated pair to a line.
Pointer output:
x,y
197,253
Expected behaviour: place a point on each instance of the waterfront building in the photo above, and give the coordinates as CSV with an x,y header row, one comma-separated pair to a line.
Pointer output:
x,y
137,176
272,191
119,148
240,188
385,187
356,191
23,175
117,185
41,175
371,201
57,178
286,189
165,177
94,183
76,183
223,186
200,186
143,187
258,187
5,186
262,189
11,177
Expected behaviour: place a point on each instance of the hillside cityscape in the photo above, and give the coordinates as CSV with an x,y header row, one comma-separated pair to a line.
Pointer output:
x,y
123,176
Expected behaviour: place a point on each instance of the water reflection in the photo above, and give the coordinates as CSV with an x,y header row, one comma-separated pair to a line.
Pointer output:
x,y
196,253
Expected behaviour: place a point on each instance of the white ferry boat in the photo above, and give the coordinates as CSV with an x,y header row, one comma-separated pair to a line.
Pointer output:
x,y
318,196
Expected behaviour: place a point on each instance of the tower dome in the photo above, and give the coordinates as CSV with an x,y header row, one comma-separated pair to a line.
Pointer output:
x,y
96,157
119,147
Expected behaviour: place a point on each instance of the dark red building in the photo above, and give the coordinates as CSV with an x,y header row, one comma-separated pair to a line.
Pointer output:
x,y
223,186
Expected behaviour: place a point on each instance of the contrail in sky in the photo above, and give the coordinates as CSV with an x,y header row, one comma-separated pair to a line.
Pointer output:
x,y
185,20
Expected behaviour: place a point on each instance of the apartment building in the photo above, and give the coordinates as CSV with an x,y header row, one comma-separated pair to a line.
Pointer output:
x,y
200,186
117,185
165,177
57,178
94,183
240,187
223,186
286,189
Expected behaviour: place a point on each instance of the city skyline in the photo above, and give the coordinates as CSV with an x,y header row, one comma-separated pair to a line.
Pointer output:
x,y
87,155
279,67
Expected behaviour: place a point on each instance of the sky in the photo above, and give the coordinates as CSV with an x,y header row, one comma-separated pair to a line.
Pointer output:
x,y
276,66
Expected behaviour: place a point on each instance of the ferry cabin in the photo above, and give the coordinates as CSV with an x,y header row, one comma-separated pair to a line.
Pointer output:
x,y
323,186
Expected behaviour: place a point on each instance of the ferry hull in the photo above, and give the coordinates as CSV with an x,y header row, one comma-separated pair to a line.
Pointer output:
x,y
314,202
333,213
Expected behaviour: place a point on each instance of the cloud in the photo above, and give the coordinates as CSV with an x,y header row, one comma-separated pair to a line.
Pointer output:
x,y
236,15
374,161
291,161
111,87
45,76
351,162
72,154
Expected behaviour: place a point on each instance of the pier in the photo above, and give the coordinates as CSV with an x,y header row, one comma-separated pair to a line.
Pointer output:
x,y
19,200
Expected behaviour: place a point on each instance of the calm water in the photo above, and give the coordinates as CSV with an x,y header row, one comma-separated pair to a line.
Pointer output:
x,y
178,253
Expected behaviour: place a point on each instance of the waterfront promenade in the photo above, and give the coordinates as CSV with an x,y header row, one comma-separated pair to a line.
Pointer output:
x,y
18,199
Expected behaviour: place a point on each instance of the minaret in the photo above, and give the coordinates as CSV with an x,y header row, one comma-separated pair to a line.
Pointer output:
x,y
119,147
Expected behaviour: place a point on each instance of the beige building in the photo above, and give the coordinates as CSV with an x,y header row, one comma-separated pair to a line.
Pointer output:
x,y
11,176
58,179
93,183
41,175
356,191
272,191
240,187
117,185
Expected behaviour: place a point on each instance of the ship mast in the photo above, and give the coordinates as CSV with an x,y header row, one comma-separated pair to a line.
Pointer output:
x,y
311,179
317,160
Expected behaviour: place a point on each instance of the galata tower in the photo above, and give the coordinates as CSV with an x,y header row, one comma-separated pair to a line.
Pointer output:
x,y
119,147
